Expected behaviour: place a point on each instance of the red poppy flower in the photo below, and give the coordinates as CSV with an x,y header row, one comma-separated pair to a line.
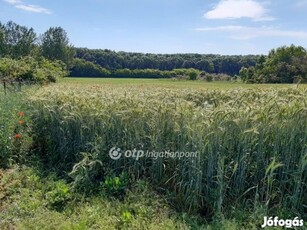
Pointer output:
x,y
17,136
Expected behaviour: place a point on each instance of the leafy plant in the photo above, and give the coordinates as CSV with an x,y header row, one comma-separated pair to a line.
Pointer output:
x,y
58,196
116,185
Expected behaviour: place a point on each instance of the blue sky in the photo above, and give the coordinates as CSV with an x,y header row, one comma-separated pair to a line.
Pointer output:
x,y
168,26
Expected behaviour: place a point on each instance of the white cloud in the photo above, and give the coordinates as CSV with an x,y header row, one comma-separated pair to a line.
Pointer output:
x,y
244,33
234,9
13,2
33,8
27,7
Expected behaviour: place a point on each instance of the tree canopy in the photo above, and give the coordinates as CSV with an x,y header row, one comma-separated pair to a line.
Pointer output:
x,y
16,40
286,64
210,63
55,45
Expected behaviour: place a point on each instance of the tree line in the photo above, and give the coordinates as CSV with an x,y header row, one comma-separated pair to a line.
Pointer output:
x,y
83,68
18,43
209,63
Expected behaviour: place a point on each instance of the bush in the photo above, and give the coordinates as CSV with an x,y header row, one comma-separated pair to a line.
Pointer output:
x,y
193,74
58,196
82,68
31,70
115,185
209,78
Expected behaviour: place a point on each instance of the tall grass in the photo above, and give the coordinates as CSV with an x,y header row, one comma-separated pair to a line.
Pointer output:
x,y
10,146
251,143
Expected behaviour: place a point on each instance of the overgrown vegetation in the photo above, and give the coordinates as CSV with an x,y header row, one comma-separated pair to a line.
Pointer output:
x,y
16,72
251,163
14,129
29,200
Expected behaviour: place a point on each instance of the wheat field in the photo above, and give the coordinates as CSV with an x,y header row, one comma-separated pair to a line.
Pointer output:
x,y
251,143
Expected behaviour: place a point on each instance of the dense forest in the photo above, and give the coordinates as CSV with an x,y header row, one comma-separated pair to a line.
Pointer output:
x,y
210,63
19,43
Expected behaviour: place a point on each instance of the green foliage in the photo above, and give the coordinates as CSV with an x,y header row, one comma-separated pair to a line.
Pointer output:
x,y
2,40
49,71
140,73
115,185
18,41
29,69
155,73
58,196
82,68
209,78
210,63
248,74
55,45
193,74
15,40
24,205
125,219
282,65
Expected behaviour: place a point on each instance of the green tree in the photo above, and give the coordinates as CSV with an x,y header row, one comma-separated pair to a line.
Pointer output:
x,y
248,74
243,74
301,65
16,40
55,45
284,64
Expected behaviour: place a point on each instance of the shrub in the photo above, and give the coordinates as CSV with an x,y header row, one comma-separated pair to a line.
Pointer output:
x,y
58,196
31,70
115,185
82,68
209,78
193,74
